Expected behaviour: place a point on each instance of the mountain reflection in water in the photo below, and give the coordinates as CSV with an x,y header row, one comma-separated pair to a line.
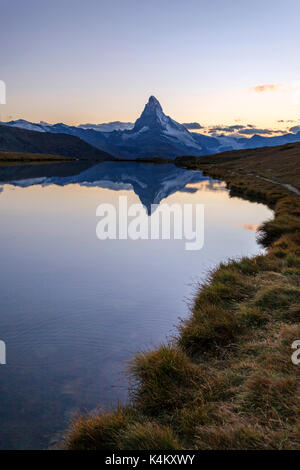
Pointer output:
x,y
152,183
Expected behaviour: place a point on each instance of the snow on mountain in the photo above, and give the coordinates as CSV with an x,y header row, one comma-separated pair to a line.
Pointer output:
x,y
108,126
229,142
154,134
46,127
30,126
154,119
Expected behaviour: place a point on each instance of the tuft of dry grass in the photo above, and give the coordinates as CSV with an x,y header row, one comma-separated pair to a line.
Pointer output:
x,y
158,373
148,435
99,431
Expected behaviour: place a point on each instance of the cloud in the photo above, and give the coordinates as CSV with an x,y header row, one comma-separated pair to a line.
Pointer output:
x,y
295,129
239,128
214,129
255,130
236,127
192,125
250,226
269,87
227,129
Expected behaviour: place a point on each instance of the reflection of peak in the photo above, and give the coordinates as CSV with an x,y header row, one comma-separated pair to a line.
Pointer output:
x,y
152,183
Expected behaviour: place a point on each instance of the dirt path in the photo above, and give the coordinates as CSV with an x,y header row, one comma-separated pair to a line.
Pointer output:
x,y
285,185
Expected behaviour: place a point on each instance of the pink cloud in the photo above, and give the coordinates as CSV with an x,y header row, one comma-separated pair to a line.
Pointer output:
x,y
263,88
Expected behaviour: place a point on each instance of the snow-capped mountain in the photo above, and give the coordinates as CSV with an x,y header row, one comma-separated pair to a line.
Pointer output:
x,y
30,126
154,120
154,134
46,127
108,126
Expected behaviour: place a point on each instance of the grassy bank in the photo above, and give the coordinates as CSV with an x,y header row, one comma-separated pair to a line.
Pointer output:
x,y
9,158
227,380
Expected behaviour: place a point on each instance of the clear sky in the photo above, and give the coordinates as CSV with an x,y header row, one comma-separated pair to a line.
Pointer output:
x,y
78,61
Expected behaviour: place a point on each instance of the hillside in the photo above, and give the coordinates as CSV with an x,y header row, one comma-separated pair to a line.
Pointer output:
x,y
280,163
14,139
227,380
15,157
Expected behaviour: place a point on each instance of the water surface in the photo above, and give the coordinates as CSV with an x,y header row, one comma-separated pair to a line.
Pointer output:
x,y
73,308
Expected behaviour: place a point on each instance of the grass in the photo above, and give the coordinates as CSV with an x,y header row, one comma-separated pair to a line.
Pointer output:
x,y
100,431
227,380
278,163
119,430
142,436
8,158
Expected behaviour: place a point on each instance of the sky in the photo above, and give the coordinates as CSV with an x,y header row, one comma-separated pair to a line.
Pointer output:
x,y
215,62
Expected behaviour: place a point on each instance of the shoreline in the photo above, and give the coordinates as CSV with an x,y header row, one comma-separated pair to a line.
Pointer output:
x,y
227,380
18,158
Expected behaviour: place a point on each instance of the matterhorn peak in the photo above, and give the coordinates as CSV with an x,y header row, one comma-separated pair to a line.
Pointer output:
x,y
152,116
153,106
154,124
152,98
153,101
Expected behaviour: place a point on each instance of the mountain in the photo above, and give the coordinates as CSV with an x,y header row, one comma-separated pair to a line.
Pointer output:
x,y
257,141
154,135
108,126
153,123
192,125
46,127
15,139
31,126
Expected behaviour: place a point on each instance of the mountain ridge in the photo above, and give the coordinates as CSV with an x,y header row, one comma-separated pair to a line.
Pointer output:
x,y
154,134
14,139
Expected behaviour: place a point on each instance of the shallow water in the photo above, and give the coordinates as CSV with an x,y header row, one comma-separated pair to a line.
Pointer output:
x,y
73,308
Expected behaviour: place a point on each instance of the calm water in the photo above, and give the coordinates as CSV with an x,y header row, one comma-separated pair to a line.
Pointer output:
x,y
73,308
